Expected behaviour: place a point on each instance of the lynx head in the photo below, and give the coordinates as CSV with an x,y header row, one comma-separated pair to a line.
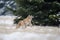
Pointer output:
x,y
30,16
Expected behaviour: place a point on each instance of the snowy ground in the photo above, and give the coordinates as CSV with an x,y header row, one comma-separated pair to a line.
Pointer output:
x,y
8,31
7,20
28,36
30,33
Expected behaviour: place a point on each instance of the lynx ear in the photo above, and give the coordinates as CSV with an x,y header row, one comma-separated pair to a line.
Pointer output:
x,y
29,15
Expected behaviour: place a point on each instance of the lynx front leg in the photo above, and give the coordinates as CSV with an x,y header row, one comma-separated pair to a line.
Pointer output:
x,y
30,24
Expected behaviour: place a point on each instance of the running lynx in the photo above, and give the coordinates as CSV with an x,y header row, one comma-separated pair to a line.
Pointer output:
x,y
26,22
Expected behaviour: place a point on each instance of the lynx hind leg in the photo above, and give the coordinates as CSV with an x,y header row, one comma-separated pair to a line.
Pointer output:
x,y
21,25
17,26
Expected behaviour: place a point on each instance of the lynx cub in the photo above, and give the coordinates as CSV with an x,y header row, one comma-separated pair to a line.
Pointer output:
x,y
26,22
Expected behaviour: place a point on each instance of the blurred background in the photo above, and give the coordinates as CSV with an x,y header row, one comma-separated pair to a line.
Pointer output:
x,y
6,3
47,12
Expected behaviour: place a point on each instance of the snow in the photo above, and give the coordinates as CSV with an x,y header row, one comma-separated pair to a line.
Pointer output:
x,y
7,20
46,33
28,36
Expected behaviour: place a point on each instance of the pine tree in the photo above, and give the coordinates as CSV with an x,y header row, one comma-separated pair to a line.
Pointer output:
x,y
45,12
